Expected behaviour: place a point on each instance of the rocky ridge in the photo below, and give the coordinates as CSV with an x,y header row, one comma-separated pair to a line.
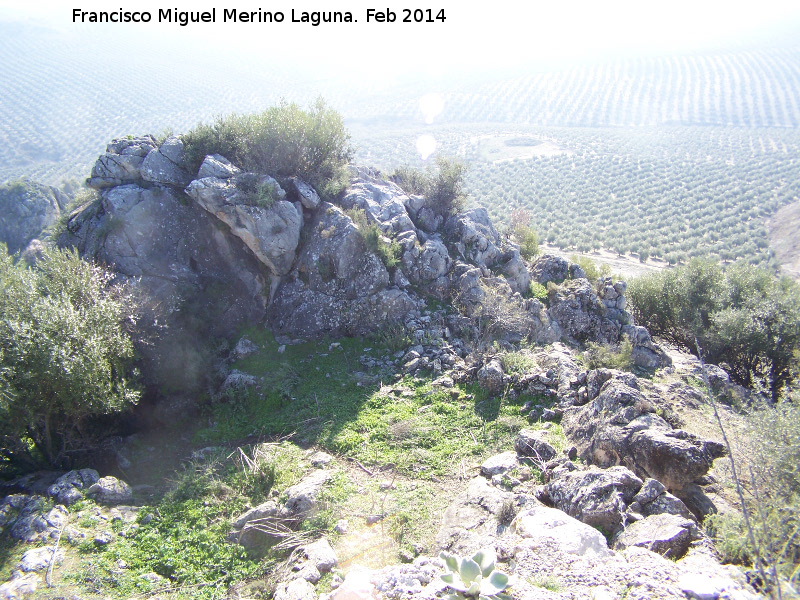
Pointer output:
x,y
235,248
226,248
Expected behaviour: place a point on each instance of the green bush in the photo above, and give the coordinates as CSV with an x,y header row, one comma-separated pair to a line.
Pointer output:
x,y
282,141
538,291
442,187
528,241
65,353
593,272
743,316
771,484
603,356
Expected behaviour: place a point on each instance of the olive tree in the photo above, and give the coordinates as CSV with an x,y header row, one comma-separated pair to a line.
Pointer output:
x,y
66,354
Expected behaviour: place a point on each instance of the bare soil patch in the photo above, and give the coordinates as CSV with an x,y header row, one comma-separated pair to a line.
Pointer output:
x,y
784,238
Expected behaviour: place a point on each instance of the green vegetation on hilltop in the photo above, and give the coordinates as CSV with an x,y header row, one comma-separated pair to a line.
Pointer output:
x,y
742,316
65,353
282,141
443,186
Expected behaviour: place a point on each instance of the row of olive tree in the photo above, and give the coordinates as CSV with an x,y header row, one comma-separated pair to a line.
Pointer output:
x,y
65,355
741,316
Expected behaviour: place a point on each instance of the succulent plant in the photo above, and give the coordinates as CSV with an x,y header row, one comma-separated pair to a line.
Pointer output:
x,y
475,577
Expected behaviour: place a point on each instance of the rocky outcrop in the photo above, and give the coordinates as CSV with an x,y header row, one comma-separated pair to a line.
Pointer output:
x,y
597,497
620,426
27,209
336,285
271,233
110,490
665,534
69,488
198,279
122,162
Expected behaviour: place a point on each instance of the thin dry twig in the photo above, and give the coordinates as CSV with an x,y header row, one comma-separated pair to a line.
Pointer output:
x,y
49,575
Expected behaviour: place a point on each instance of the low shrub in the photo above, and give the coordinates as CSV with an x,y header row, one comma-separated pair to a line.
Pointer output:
x,y
593,272
604,356
282,141
443,187
538,291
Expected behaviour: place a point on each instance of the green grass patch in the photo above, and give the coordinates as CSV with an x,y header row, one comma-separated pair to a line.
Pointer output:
x,y
415,426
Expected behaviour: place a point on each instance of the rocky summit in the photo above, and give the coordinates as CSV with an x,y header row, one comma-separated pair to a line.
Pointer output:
x,y
603,494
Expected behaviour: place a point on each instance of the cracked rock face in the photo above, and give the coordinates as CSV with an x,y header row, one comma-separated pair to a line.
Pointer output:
x,y
620,427
271,233
26,209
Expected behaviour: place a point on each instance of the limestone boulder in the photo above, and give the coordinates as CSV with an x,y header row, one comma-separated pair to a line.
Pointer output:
x,y
532,443
164,165
543,524
302,497
425,263
68,488
549,267
196,278
271,233
336,286
216,165
110,490
473,519
597,497
27,209
474,237
122,162
665,534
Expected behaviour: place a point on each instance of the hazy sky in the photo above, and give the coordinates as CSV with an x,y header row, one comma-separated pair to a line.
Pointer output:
x,y
474,34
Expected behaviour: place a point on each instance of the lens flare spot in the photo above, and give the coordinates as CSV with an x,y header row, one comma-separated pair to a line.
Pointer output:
x,y
431,106
426,145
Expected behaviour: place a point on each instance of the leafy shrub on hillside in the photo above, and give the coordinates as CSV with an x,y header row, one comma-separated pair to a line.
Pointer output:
x,y
771,484
743,316
521,231
601,356
282,141
593,272
442,187
64,355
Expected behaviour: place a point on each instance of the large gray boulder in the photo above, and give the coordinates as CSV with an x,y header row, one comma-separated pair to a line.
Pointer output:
x,y
68,488
216,165
474,237
256,529
597,497
271,233
580,316
549,267
110,490
27,208
665,534
475,518
336,285
425,263
620,427
157,168
122,162
203,281
543,524
532,443
383,201
302,497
